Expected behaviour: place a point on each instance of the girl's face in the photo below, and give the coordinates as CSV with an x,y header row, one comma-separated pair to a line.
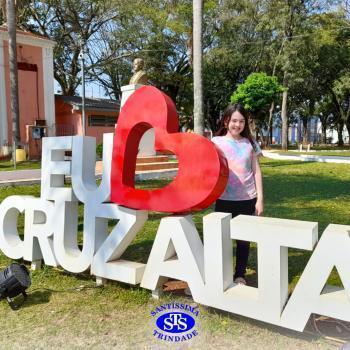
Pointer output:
x,y
235,125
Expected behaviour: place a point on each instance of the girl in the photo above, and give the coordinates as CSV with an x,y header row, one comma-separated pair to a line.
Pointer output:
x,y
244,190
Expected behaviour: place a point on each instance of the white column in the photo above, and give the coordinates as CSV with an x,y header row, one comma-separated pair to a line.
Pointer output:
x,y
3,111
128,90
146,146
49,96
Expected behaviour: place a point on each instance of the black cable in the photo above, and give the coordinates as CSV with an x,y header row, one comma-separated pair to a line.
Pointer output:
x,y
75,289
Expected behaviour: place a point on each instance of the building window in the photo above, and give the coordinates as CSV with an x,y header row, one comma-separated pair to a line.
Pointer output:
x,y
102,120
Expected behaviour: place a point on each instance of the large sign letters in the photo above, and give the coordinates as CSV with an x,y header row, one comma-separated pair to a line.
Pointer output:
x,y
51,224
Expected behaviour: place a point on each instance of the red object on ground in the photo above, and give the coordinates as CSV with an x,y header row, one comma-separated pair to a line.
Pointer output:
x,y
203,171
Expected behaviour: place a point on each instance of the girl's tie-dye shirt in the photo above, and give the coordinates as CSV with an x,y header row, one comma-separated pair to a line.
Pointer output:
x,y
239,155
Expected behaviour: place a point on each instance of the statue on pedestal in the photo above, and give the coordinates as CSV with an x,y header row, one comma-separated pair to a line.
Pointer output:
x,y
140,76
3,10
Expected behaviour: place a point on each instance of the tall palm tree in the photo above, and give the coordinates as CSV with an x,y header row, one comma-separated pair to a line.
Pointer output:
x,y
197,67
11,25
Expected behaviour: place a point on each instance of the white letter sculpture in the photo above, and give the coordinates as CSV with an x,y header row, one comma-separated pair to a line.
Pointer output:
x,y
51,229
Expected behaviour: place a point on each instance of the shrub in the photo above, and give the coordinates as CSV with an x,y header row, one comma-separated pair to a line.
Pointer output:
x,y
99,150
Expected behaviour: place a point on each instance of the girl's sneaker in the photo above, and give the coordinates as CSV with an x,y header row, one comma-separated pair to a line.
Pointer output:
x,y
240,280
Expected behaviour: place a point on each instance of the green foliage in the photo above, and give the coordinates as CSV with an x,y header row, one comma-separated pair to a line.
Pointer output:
x,y
341,91
305,44
99,150
70,24
257,92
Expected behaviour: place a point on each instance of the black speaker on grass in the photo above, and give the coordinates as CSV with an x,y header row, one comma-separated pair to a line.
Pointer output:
x,y
14,280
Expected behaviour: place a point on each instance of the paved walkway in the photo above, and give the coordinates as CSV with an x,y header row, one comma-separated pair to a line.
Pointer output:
x,y
307,157
33,176
14,177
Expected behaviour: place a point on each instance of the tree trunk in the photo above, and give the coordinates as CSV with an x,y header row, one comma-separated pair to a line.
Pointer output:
x,y
269,126
340,127
348,129
305,131
323,134
11,25
197,67
284,117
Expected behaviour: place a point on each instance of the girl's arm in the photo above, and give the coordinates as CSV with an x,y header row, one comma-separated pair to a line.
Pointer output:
x,y
259,206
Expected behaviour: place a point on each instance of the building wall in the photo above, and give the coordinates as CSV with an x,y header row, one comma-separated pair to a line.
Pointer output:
x,y
98,131
30,89
35,89
68,122
66,115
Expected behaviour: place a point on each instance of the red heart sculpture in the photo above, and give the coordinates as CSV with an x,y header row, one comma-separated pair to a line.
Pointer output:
x,y
203,171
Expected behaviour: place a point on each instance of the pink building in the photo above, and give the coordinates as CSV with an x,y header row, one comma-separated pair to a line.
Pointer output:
x,y
100,116
36,89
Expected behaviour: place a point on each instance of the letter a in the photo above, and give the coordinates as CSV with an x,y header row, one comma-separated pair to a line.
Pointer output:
x,y
310,294
176,235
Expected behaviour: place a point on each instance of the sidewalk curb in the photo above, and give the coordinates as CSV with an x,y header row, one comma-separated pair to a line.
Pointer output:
x,y
308,158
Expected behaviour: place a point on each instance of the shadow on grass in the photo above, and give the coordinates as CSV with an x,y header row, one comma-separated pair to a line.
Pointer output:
x,y
138,252
36,297
316,328
297,261
282,163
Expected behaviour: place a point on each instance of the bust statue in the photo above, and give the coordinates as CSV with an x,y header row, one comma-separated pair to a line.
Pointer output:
x,y
140,76
3,9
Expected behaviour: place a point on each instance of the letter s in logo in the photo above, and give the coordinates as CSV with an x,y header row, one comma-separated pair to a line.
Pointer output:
x,y
175,322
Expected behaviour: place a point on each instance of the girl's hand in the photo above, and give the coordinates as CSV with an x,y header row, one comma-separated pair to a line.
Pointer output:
x,y
259,207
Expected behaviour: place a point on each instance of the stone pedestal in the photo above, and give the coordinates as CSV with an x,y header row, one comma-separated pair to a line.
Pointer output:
x,y
127,90
146,146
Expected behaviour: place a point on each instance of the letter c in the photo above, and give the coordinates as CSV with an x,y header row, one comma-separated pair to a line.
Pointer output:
x,y
10,242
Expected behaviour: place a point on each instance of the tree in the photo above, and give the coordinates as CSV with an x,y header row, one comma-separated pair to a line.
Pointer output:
x,y
71,24
256,94
238,45
293,40
341,94
197,67
162,36
325,111
11,25
258,90
305,88
291,21
332,70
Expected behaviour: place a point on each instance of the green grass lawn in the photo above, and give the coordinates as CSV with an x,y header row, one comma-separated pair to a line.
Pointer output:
x,y
8,165
67,310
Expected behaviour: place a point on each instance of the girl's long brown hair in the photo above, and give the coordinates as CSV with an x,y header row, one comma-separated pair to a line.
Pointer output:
x,y
226,119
